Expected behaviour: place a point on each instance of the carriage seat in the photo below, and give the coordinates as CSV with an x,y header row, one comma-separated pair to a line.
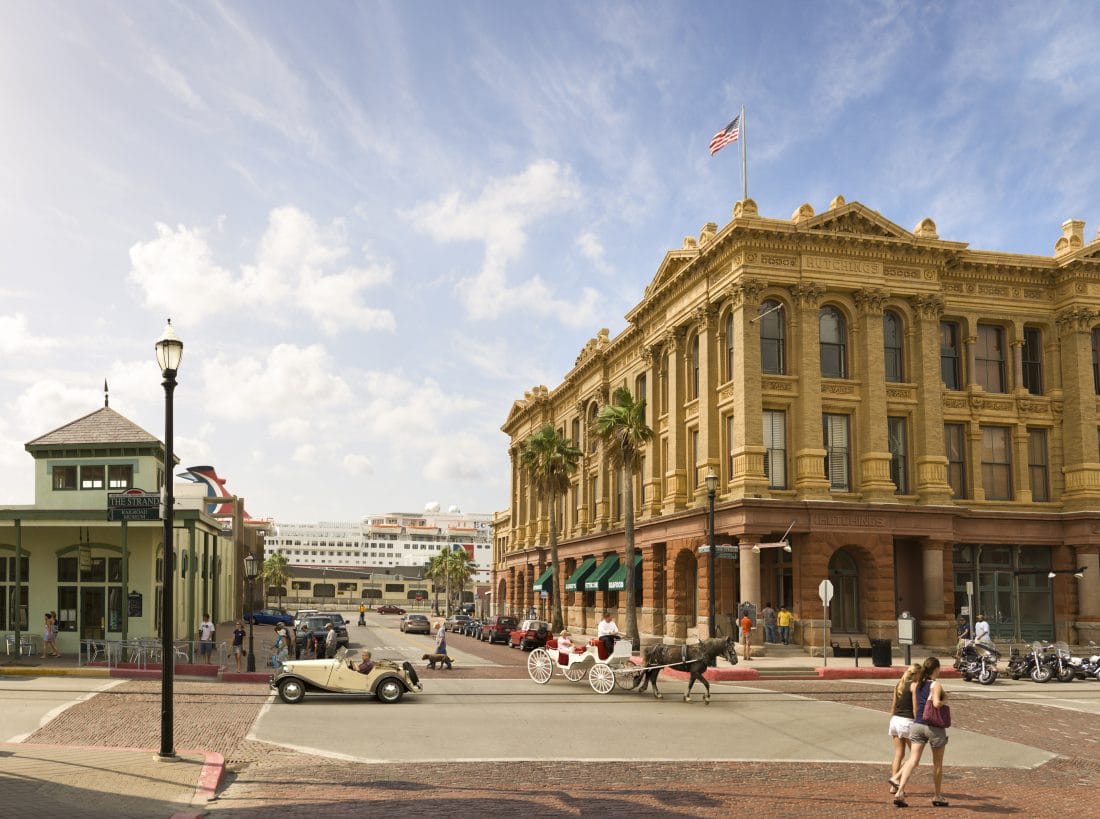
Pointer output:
x,y
599,648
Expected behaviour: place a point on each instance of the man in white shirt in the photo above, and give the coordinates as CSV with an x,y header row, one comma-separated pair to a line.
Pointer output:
x,y
608,633
981,630
206,638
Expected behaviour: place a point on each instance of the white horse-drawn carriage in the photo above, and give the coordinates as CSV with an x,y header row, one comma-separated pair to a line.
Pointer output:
x,y
604,671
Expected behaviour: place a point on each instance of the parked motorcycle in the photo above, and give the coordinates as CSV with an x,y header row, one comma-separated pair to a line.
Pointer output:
x,y
978,661
1087,667
1052,662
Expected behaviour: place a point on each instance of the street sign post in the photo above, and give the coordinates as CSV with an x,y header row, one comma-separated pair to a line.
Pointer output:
x,y
825,592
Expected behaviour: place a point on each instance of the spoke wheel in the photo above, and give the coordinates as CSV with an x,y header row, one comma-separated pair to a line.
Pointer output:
x,y
575,672
1066,674
291,691
540,666
628,680
988,676
601,678
1042,674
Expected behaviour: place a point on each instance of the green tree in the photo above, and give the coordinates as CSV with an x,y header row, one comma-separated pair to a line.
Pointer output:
x,y
622,429
435,570
273,573
550,462
460,568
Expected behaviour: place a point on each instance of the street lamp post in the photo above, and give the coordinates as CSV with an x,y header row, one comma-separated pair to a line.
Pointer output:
x,y
250,570
169,352
711,481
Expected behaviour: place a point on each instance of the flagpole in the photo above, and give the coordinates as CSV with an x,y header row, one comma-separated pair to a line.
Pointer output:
x,y
744,158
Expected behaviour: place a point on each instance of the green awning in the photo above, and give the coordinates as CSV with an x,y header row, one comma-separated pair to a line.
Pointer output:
x,y
576,580
543,583
597,581
617,581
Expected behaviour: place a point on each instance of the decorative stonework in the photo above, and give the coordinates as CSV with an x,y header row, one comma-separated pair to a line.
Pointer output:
x,y
1075,320
902,272
807,294
928,307
838,389
900,393
776,386
871,300
746,292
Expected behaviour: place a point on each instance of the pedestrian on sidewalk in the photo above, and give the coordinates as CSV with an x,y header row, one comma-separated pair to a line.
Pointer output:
x,y
281,651
330,641
49,635
362,614
746,635
238,644
926,687
771,624
981,630
440,638
964,635
783,618
901,719
206,638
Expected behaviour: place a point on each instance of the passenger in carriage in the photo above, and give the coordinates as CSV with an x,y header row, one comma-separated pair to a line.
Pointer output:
x,y
565,647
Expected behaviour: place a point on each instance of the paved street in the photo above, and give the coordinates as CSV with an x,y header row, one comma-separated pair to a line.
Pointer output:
x,y
27,703
482,740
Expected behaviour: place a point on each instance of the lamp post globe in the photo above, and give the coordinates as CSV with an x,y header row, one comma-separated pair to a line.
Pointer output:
x,y
250,571
169,350
711,481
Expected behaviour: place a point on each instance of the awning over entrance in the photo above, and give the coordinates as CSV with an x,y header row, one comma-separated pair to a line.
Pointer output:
x,y
576,580
617,581
543,583
597,581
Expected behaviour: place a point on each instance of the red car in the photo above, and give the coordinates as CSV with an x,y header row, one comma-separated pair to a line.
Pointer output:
x,y
390,610
530,634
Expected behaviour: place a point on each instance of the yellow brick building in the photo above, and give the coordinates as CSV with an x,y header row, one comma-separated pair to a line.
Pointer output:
x,y
924,415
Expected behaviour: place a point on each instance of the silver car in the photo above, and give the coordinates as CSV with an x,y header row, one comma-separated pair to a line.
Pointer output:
x,y
415,624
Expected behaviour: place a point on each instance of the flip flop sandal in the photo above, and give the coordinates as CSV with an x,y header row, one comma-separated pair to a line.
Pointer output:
x,y
939,803
900,803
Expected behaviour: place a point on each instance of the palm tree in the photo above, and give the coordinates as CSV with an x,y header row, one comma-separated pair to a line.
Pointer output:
x,y
460,568
621,427
274,574
550,462
436,571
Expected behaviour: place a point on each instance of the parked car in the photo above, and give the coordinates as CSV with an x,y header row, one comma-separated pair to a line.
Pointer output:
x,y
471,628
455,622
269,617
388,609
530,634
302,614
388,681
475,630
498,629
416,624
314,626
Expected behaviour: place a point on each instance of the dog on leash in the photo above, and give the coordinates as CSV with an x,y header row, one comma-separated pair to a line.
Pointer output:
x,y
441,659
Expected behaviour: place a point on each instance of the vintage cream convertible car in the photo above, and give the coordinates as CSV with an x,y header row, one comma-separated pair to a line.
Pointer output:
x,y
388,680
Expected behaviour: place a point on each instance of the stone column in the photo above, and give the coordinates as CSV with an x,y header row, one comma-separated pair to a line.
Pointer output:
x,y
1018,360
867,351
1079,439
935,622
809,466
675,494
604,481
928,446
974,458
1021,475
750,574
651,621
707,403
748,478
1088,594
653,477
971,358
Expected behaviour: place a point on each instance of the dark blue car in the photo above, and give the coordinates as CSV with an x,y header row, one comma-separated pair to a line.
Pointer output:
x,y
269,617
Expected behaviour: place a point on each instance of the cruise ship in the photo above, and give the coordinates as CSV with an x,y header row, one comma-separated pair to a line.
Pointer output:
x,y
389,541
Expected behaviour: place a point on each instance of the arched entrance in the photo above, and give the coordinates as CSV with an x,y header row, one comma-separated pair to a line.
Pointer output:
x,y
844,575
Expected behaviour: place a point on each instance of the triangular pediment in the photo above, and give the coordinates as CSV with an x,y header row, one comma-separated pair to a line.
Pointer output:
x,y
513,414
856,220
672,264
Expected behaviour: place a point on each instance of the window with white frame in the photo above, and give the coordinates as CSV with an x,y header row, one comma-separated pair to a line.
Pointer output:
x,y
775,448
836,440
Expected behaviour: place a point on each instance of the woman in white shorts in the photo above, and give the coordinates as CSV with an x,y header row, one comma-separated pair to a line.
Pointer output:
x,y
901,717
925,687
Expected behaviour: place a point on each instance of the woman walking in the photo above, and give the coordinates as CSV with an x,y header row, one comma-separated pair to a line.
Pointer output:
x,y
901,719
925,688
49,635
440,638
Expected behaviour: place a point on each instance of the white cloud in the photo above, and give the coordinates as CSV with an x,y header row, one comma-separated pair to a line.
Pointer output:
x,y
299,266
292,428
16,336
357,465
500,217
292,381
592,249
304,454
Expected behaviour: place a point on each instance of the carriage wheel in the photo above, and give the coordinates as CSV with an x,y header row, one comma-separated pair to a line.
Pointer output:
x,y
540,666
575,672
628,680
601,678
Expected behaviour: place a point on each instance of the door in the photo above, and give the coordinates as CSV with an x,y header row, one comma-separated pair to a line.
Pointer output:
x,y
844,611
92,610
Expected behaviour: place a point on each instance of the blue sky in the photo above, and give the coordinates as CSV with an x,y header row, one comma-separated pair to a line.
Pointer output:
x,y
374,225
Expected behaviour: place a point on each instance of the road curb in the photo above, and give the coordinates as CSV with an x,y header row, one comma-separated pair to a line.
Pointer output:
x,y
34,671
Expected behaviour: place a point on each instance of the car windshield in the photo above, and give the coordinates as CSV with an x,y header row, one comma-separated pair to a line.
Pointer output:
x,y
316,623
507,621
417,617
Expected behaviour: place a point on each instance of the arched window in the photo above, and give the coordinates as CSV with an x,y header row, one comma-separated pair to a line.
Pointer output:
x,y
891,344
593,412
693,368
844,575
641,395
834,343
773,338
729,346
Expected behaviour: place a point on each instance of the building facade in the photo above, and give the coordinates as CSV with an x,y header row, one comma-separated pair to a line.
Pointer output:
x,y
922,416
104,577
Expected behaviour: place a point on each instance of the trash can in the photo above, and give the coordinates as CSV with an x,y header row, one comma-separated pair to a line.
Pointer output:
x,y
881,655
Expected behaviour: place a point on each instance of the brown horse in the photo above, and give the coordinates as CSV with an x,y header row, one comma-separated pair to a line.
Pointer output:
x,y
692,658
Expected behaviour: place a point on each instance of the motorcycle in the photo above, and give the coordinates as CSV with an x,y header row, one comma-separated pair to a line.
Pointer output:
x,y
1085,668
978,661
1052,662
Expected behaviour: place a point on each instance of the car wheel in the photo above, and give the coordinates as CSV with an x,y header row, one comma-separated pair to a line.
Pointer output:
x,y
291,691
390,691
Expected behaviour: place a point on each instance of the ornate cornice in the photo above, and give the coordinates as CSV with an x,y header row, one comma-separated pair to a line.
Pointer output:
x,y
928,307
871,300
807,294
1076,320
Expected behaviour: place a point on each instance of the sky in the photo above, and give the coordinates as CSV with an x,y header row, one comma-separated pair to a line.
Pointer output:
x,y
374,225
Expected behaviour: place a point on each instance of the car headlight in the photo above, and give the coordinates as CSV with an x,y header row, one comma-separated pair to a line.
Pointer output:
x,y
287,668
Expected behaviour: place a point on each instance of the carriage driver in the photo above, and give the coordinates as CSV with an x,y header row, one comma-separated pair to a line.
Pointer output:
x,y
608,633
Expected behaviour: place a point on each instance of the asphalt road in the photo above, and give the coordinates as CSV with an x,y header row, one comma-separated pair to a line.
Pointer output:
x,y
28,703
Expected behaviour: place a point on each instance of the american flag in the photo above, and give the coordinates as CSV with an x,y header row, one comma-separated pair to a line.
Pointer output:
x,y
725,136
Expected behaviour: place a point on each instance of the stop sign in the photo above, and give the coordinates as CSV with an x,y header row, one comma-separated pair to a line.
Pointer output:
x,y
825,592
